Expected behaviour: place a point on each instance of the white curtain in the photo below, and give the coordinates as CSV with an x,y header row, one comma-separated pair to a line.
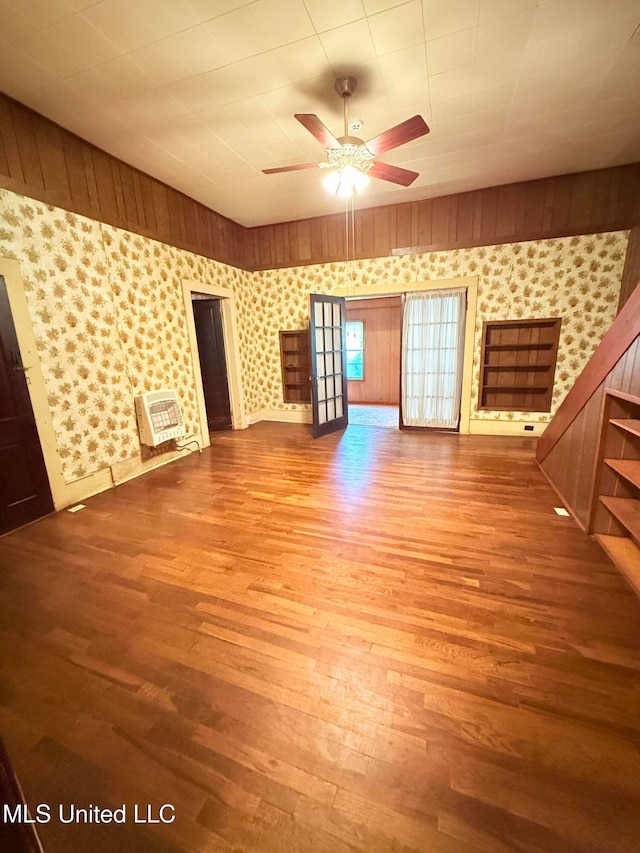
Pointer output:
x,y
432,356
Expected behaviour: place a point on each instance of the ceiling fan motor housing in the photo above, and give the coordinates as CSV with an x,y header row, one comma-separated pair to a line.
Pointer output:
x,y
346,86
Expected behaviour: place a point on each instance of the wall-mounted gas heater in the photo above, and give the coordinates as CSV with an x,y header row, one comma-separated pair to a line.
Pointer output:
x,y
159,417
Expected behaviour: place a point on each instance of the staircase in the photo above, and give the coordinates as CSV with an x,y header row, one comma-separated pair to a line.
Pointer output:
x,y
590,452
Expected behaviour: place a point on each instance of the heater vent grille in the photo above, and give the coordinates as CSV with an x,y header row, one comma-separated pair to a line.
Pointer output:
x,y
159,417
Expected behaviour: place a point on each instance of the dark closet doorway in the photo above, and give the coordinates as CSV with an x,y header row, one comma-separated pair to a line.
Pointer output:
x,y
207,314
24,486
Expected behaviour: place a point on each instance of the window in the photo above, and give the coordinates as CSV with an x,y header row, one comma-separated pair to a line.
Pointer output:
x,y
355,349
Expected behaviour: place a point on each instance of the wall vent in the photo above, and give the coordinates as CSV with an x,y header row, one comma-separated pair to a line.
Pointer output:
x,y
159,417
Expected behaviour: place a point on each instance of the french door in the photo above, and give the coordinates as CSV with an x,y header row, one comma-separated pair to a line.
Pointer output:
x,y
328,364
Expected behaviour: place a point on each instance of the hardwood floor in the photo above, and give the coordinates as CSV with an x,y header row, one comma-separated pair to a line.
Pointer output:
x,y
365,414
378,641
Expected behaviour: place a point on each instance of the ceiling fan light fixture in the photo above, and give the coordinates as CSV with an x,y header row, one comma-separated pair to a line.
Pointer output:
x,y
351,161
331,181
343,182
360,180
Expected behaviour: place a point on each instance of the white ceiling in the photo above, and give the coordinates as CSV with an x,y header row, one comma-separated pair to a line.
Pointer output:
x,y
201,93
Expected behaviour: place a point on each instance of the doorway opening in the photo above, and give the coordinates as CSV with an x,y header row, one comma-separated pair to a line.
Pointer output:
x,y
373,334
207,316
408,356
432,359
466,284
229,338
25,493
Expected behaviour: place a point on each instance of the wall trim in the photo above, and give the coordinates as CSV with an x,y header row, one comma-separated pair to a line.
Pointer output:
x,y
563,501
362,291
117,474
285,416
505,427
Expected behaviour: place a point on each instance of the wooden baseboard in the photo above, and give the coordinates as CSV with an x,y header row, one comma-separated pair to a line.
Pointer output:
x,y
564,501
504,427
286,416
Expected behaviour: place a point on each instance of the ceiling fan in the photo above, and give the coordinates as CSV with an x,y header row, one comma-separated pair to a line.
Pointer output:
x,y
351,160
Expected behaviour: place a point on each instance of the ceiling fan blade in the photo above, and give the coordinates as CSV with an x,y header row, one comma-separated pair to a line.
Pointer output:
x,y
318,129
291,168
407,130
395,174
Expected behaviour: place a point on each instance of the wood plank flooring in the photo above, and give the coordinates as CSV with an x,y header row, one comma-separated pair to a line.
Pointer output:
x,y
373,642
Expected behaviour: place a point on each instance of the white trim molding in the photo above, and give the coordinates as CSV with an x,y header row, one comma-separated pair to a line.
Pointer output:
x,y
285,416
504,427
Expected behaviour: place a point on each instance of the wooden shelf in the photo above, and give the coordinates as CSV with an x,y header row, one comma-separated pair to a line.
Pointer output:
x,y
296,366
533,346
625,555
526,349
627,468
511,388
631,425
615,510
626,511
517,366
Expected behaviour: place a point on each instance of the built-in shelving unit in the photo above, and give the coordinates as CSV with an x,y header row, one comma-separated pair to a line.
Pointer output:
x,y
518,364
615,515
296,366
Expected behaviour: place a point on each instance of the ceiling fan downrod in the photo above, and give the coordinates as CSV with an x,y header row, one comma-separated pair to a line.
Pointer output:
x,y
345,87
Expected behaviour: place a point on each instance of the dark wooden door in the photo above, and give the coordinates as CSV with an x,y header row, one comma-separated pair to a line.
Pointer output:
x,y
328,364
24,485
208,319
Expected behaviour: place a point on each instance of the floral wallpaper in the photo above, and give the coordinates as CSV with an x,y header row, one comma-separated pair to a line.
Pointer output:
x,y
108,315
576,278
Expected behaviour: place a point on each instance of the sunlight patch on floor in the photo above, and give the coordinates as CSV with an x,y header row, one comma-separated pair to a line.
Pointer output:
x,y
363,414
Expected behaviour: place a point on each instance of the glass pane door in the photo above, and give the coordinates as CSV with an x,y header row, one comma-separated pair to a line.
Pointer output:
x,y
328,364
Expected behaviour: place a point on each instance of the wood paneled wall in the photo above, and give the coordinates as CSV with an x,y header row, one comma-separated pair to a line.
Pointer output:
x,y
570,466
567,450
583,203
382,320
617,339
41,160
